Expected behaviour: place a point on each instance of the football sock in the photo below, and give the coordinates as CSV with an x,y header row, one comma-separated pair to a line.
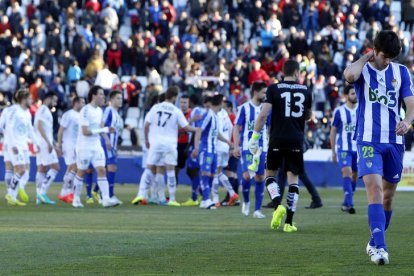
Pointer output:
x,y
144,184
111,181
195,185
103,187
159,188
78,183
292,201
353,183
274,190
7,177
205,186
39,180
215,189
88,181
246,184
376,219
347,188
50,177
258,193
24,179
14,184
172,184
224,180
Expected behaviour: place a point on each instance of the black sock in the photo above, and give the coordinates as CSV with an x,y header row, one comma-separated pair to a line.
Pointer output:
x,y
274,190
234,184
292,201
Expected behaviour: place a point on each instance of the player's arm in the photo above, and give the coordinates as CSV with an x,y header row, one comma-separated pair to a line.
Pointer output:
x,y
353,71
59,139
332,137
404,125
261,119
221,137
41,129
33,137
236,140
197,138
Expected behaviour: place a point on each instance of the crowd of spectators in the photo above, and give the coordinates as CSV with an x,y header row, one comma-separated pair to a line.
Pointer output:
x,y
218,45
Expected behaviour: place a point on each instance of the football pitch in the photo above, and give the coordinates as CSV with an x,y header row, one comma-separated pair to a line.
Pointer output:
x,y
154,240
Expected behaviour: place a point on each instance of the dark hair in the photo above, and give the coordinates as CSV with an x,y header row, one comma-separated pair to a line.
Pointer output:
x,y
195,100
114,93
228,104
185,96
257,86
93,91
217,100
348,89
49,94
172,92
290,67
162,97
388,43
207,99
21,94
77,100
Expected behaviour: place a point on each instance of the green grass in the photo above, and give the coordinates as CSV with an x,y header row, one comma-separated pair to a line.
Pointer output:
x,y
152,240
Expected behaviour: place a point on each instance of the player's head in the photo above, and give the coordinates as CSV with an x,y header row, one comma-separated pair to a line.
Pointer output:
x,y
184,102
23,97
172,93
96,95
291,68
259,91
217,102
78,103
195,100
207,101
387,46
228,106
350,94
50,99
115,97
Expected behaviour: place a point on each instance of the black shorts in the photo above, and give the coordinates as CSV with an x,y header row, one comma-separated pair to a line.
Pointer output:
x,y
182,155
290,160
232,165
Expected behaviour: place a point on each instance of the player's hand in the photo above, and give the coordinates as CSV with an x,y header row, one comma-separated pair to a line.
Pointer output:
x,y
236,152
194,153
402,128
108,145
334,157
111,130
50,147
147,144
58,149
15,150
370,56
253,145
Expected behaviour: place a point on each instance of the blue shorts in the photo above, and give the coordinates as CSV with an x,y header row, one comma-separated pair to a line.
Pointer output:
x,y
208,162
382,159
348,159
247,159
110,157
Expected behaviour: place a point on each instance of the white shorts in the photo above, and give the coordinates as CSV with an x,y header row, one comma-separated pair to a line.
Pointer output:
x,y
85,157
161,158
44,157
222,159
6,155
22,158
69,154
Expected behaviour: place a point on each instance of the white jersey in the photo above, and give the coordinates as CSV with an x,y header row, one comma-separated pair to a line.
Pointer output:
x,y
226,128
164,119
70,123
43,114
4,119
91,117
19,128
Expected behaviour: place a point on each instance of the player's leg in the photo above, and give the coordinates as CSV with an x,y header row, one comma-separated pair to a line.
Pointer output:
x,y
354,177
347,204
224,180
23,181
258,193
231,172
193,173
147,177
110,174
18,161
158,186
207,164
246,181
88,178
49,159
83,161
66,193
170,160
8,172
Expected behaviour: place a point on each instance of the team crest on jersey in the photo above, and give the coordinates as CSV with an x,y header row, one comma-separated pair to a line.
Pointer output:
x,y
368,163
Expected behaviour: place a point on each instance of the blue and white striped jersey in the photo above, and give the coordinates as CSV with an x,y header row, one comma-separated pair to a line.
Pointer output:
x,y
380,95
344,120
111,118
197,111
210,128
246,117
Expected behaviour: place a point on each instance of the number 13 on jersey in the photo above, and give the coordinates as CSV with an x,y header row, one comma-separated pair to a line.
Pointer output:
x,y
298,107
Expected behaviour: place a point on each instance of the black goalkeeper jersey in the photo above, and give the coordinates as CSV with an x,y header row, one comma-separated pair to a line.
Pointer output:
x,y
289,101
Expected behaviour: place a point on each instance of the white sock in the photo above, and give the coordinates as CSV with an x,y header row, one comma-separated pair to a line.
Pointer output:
x,y
71,178
14,185
215,189
103,187
7,177
224,180
172,184
154,190
67,187
39,182
145,183
160,182
50,177
24,179
78,184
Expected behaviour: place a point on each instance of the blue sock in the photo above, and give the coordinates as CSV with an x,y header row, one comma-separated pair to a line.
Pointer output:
x,y
88,182
111,181
195,185
96,188
388,215
376,218
205,185
347,187
258,193
246,184
353,183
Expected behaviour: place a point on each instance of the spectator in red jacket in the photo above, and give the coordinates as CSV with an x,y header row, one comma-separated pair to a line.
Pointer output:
x,y
114,58
94,4
257,74
169,11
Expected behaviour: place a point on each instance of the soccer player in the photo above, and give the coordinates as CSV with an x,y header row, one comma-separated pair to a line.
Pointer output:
x,y
89,149
47,156
245,121
67,137
381,87
183,137
161,134
344,123
111,118
223,154
207,142
4,118
19,130
290,103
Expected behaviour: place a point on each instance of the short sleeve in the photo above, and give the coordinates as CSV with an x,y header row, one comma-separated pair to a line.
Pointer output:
x,y
64,122
269,93
107,117
336,119
149,115
241,117
269,119
205,120
407,88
